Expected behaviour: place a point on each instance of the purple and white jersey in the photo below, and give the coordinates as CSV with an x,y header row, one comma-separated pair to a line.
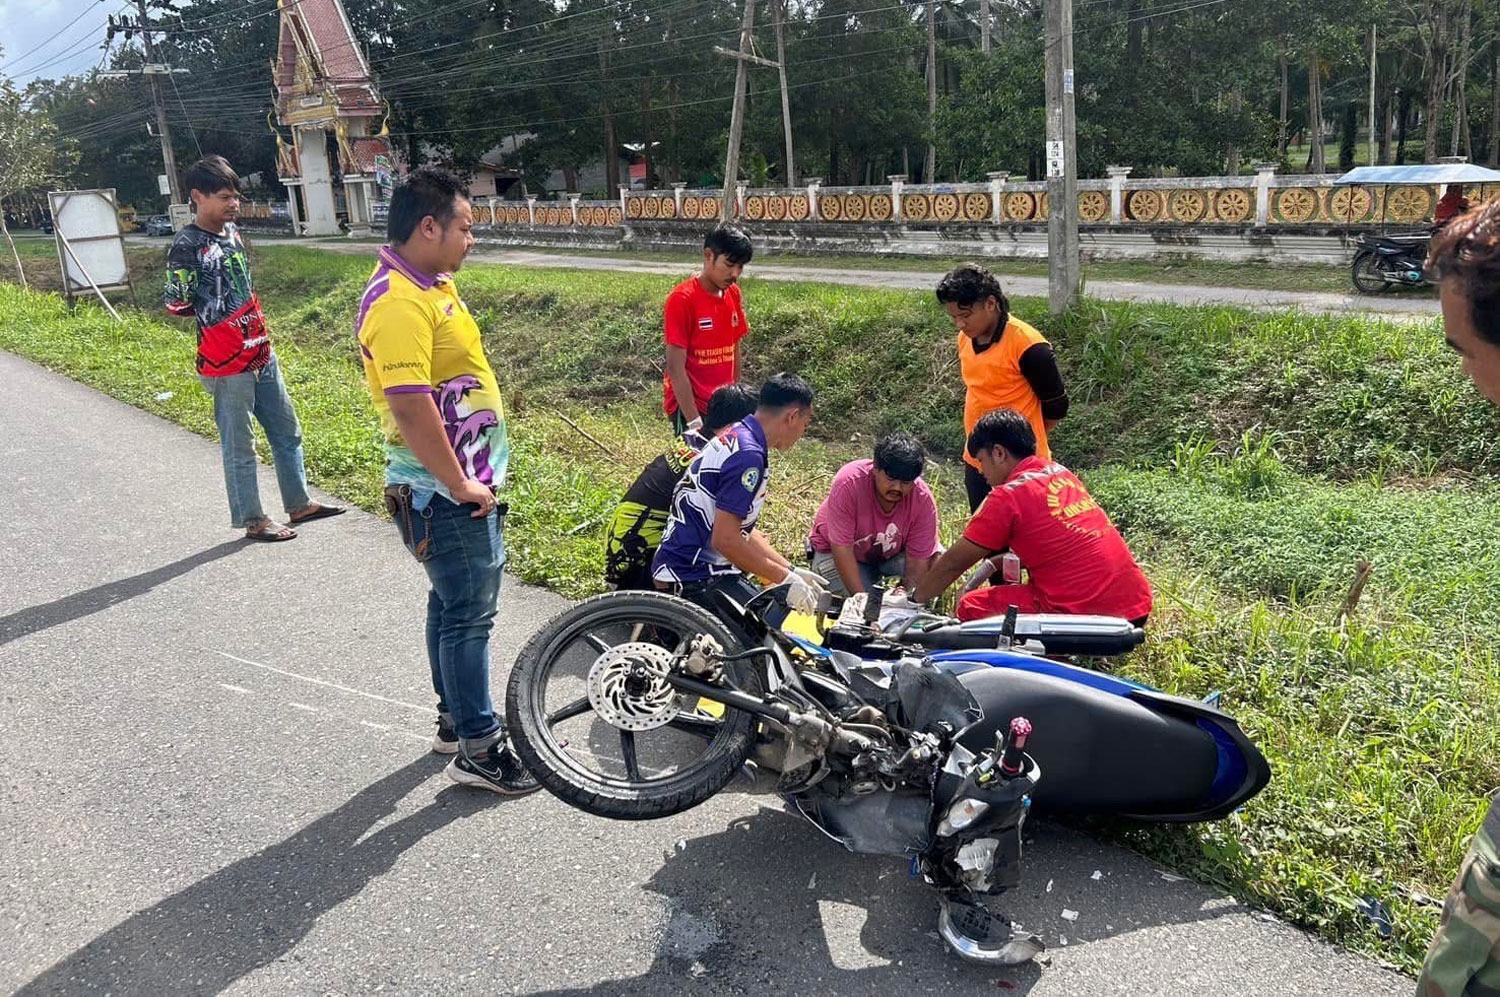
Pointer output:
x,y
729,474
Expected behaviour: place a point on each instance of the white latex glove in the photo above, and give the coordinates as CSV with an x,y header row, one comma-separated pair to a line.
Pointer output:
x,y
817,581
800,595
981,574
695,425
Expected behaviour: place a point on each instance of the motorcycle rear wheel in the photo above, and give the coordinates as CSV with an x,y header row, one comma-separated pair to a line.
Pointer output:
x,y
1365,272
722,742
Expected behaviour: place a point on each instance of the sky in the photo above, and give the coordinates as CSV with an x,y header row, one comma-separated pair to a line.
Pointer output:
x,y
27,28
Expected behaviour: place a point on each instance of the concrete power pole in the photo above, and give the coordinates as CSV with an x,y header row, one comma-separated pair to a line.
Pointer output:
x,y
737,118
169,159
930,168
1063,271
786,104
984,26
1372,95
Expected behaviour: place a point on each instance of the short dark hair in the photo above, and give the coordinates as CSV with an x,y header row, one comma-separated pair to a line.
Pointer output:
x,y
1003,427
730,241
427,190
1467,252
728,405
785,391
901,456
210,175
968,284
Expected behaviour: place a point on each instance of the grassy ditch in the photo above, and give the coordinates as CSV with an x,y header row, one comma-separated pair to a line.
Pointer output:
x,y
1250,503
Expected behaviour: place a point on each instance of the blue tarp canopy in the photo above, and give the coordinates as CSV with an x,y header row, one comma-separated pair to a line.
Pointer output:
x,y
1439,173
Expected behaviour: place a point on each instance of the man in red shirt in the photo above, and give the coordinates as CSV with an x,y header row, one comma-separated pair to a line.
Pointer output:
x,y
1078,561
703,323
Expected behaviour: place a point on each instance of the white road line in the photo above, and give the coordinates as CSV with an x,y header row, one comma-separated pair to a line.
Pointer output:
x,y
235,688
303,706
322,682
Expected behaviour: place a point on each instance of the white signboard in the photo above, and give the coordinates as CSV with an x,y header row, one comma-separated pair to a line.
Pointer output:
x,y
1054,159
90,246
163,184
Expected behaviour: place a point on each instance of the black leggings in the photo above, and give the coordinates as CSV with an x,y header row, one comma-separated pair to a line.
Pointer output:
x,y
976,486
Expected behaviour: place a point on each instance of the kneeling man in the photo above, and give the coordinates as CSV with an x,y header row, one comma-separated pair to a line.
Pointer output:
x,y
1078,561
878,521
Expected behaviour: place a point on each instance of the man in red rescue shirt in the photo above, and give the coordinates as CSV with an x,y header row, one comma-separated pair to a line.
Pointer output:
x,y
703,323
1078,561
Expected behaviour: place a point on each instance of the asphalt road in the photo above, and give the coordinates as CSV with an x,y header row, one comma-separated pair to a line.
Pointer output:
x,y
1395,305
214,777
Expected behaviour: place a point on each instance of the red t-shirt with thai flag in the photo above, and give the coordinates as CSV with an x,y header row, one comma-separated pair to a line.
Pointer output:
x,y
1078,561
707,326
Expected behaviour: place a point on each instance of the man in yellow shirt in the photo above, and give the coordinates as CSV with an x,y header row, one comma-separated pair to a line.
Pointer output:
x,y
1005,364
446,454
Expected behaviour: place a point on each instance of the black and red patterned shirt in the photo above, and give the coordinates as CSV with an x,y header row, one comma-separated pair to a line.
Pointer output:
x,y
208,276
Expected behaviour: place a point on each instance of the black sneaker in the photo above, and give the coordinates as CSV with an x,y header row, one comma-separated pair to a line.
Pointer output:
x,y
445,741
498,770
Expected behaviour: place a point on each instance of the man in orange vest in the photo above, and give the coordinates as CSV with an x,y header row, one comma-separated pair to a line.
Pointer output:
x,y
1005,364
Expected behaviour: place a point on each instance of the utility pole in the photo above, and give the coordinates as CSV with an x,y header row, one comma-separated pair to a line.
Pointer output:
x,y
930,168
786,103
984,26
1372,96
151,69
168,157
1062,160
737,118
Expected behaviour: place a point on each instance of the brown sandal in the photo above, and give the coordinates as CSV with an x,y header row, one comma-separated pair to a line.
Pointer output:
x,y
319,511
269,532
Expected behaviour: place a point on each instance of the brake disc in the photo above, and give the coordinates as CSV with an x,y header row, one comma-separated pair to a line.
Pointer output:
x,y
627,687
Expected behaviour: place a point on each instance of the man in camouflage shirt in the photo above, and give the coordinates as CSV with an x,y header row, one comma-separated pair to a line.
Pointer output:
x,y
1464,958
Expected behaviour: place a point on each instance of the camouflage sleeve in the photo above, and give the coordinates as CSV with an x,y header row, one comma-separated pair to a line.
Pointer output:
x,y
1464,958
182,277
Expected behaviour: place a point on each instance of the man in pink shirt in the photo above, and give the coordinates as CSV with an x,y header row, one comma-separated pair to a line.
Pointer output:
x,y
878,521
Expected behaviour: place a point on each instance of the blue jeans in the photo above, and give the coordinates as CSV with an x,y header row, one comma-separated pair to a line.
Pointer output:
x,y
260,393
467,562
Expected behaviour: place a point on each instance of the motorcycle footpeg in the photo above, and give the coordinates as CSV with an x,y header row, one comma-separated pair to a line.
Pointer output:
x,y
977,935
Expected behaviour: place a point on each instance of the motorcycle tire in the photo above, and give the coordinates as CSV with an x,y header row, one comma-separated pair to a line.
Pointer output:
x,y
596,793
1365,272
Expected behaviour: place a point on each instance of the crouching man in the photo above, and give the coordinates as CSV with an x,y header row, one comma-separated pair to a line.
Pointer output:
x,y
711,543
1078,561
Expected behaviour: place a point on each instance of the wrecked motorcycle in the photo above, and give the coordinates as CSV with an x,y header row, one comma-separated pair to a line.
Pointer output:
x,y
932,744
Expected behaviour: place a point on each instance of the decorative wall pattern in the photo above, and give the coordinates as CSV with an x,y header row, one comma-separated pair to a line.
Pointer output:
x,y
1215,201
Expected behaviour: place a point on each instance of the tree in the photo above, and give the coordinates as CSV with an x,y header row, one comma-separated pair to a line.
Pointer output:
x,y
30,154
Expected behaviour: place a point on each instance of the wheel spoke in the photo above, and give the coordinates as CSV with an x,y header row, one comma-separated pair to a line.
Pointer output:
x,y
635,632
627,748
576,708
597,643
692,723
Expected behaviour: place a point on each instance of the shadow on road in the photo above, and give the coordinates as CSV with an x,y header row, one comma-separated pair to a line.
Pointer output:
x,y
202,939
35,619
771,906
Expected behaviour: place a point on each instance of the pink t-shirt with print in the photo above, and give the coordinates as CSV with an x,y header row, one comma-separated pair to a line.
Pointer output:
x,y
851,516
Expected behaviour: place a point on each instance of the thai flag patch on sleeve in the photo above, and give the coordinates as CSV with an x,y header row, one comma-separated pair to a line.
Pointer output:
x,y
705,324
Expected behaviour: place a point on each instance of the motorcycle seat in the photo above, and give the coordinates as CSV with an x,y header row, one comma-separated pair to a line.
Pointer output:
x,y
1099,752
1058,633
1399,241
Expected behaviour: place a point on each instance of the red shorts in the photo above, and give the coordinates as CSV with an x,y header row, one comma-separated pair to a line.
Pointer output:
x,y
996,599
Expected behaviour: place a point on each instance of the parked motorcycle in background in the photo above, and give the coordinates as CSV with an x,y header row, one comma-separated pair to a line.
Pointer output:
x,y
1382,262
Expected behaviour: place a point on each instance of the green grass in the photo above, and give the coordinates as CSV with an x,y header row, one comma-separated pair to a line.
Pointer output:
x,y
1208,273
1251,459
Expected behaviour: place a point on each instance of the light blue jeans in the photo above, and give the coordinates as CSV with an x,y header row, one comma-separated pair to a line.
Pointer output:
x,y
869,574
262,394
